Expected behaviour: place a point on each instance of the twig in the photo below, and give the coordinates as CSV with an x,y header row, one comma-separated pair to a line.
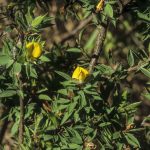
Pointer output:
x,y
99,45
82,24
135,68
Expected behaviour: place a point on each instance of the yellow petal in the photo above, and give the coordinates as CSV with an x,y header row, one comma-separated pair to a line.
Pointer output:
x,y
76,73
80,74
36,51
29,47
100,5
86,72
81,77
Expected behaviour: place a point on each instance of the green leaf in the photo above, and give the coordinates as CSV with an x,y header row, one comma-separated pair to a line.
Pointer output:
x,y
33,72
80,35
17,68
71,107
133,105
37,21
116,135
76,116
89,45
62,101
119,146
104,124
74,50
69,112
130,58
63,92
97,97
61,107
44,59
147,96
114,21
10,62
29,15
132,140
27,69
143,17
145,71
7,93
74,146
65,118
48,137
83,99
108,10
54,120
2,77
88,130
4,59
14,128
27,132
137,130
42,90
105,70
44,97
76,137
64,75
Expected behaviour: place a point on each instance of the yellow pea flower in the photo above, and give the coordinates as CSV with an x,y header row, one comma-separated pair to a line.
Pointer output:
x,y
34,50
80,74
100,5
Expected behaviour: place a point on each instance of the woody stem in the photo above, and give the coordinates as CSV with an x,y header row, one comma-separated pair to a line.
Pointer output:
x,y
102,30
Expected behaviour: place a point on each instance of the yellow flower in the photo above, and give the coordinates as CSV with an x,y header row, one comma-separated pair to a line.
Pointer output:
x,y
100,5
80,74
34,50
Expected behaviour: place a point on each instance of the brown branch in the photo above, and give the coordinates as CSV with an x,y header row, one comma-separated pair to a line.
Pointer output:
x,y
99,45
81,25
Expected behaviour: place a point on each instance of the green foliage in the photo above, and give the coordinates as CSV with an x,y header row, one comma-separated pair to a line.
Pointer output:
x,y
59,112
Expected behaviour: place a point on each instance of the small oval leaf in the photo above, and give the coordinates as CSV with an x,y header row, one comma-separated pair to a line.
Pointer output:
x,y
130,58
145,71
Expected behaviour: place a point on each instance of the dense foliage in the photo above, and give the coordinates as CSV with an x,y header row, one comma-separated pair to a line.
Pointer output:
x,y
73,90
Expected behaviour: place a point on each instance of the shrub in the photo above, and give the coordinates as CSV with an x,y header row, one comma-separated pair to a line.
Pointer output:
x,y
72,92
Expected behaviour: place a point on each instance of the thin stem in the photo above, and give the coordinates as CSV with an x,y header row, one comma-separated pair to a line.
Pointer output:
x,y
81,25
